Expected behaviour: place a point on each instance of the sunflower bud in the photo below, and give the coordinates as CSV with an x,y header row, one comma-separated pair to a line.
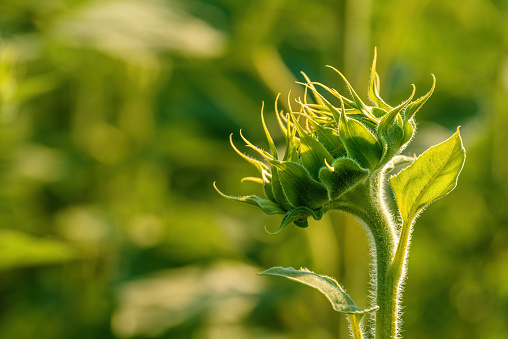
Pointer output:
x,y
332,150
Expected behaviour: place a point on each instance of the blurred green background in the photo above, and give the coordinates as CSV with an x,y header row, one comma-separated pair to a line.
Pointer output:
x,y
114,122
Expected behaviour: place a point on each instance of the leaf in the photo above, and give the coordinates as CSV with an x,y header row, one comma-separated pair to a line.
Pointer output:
x,y
342,175
268,206
341,302
431,176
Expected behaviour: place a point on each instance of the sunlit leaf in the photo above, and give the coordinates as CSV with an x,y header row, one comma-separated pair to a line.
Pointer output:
x,y
431,176
341,302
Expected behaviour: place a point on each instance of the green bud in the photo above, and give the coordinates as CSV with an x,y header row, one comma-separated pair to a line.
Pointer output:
x,y
329,149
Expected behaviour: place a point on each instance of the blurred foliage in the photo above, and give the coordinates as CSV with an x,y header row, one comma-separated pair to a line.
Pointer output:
x,y
114,122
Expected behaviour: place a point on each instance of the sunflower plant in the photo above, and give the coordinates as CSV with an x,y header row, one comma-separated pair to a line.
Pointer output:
x,y
338,156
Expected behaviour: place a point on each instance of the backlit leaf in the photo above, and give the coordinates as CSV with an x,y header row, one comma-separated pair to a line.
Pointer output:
x,y
431,176
341,302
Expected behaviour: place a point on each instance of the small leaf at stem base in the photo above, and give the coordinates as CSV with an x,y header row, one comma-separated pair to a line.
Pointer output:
x,y
341,302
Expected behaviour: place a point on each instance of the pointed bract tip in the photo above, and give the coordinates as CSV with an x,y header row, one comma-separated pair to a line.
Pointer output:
x,y
218,191
329,167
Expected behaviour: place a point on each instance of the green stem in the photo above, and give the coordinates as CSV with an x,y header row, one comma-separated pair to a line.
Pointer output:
x,y
366,202
395,273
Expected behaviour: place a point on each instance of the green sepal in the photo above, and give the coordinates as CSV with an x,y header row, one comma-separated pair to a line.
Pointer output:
x,y
378,112
390,117
341,176
374,87
340,300
269,207
336,94
273,149
359,142
292,144
268,188
260,166
299,187
390,130
417,104
278,191
310,86
358,102
298,216
409,129
368,122
261,152
302,223
312,153
330,139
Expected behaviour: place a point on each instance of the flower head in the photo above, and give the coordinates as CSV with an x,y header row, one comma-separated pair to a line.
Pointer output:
x,y
329,149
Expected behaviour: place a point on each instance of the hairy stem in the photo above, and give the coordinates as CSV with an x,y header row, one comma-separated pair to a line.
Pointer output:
x,y
366,201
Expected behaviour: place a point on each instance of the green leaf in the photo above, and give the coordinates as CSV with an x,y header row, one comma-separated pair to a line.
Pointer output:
x,y
299,188
431,176
341,302
268,206
342,175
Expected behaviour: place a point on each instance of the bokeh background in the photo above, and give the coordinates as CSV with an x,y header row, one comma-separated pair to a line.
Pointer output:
x,y
114,123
